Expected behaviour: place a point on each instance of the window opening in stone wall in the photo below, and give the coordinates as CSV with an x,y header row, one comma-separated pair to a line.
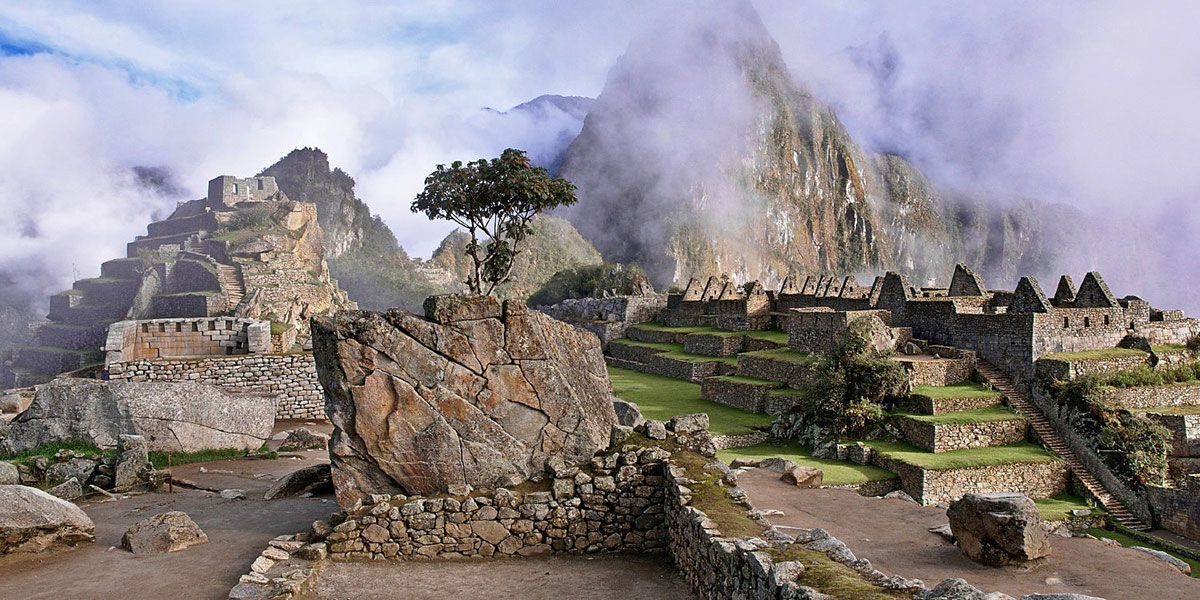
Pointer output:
x,y
235,189
162,327
1107,321
179,328
260,185
1087,321
196,327
1066,322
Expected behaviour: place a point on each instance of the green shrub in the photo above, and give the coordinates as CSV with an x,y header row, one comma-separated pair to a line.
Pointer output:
x,y
1141,375
1135,448
1193,343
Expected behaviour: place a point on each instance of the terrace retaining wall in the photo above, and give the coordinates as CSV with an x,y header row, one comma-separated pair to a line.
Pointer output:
x,y
947,437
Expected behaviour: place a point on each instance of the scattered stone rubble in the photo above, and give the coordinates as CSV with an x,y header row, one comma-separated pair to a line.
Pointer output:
x,y
69,475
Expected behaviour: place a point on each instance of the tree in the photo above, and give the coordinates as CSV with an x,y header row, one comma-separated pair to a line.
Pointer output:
x,y
494,201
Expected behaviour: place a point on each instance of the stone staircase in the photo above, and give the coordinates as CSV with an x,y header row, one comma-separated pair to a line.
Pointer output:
x,y
1046,432
230,278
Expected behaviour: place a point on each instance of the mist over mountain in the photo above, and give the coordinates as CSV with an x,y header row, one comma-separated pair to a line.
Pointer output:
x,y
703,154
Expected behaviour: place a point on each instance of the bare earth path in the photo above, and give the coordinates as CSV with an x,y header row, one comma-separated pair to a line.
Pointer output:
x,y
894,536
237,531
548,578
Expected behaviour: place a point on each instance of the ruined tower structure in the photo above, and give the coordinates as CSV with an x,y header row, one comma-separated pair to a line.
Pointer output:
x,y
244,251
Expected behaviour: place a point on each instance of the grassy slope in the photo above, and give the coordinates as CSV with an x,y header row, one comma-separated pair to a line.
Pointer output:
x,y
963,417
661,327
661,398
782,355
962,390
837,472
960,459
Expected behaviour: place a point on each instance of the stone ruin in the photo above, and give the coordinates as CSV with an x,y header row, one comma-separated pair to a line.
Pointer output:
x,y
245,251
475,395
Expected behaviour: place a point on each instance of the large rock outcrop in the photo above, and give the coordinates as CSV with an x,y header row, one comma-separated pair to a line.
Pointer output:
x,y
172,417
32,521
475,394
998,529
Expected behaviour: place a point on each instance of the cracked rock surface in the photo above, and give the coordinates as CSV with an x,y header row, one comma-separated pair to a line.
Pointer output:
x,y
172,417
477,394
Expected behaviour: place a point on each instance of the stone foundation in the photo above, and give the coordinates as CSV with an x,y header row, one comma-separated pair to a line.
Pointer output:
x,y
738,394
292,376
944,438
937,406
1036,480
1178,509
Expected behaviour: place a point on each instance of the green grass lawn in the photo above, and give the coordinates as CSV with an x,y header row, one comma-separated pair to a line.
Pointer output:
x,y
161,459
1058,508
962,390
963,417
1024,452
1128,541
837,472
52,448
1169,348
1107,353
782,355
748,380
661,398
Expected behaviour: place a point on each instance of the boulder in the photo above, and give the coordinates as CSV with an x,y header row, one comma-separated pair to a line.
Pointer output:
x,y
133,463
79,469
167,532
68,490
1182,566
174,417
628,413
32,521
900,495
689,423
777,463
805,477
303,439
475,394
10,403
315,479
9,474
998,529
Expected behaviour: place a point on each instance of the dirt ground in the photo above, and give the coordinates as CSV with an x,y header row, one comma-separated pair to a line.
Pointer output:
x,y
549,578
237,531
894,536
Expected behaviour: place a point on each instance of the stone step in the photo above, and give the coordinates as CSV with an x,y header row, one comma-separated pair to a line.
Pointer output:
x,y
1049,435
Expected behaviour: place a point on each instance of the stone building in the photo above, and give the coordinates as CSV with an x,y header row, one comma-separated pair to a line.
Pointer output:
x,y
245,251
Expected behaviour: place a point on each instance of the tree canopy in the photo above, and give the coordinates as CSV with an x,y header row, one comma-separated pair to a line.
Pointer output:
x,y
494,201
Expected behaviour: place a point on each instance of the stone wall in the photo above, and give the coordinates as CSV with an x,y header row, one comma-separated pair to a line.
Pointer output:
x,y
188,304
185,337
608,318
1050,368
714,345
944,438
1178,509
1036,480
1133,398
1185,433
292,376
936,406
927,370
745,396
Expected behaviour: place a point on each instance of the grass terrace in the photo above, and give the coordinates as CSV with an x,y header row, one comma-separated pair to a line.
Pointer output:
x,y
1058,508
782,355
966,417
660,346
837,472
1172,410
699,358
961,390
1169,348
661,398
664,328
1105,354
967,458
769,335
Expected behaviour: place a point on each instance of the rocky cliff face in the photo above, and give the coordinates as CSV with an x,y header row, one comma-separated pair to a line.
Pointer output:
x,y
703,155
475,394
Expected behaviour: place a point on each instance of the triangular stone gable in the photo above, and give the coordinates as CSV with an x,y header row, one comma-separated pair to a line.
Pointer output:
x,y
789,286
1028,298
754,288
876,288
849,287
730,292
1065,294
810,286
894,291
694,290
1094,293
965,282
712,289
